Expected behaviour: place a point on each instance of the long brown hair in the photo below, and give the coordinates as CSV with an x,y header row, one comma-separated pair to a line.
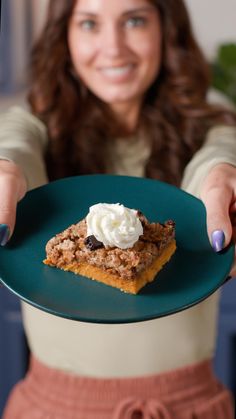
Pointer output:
x,y
175,113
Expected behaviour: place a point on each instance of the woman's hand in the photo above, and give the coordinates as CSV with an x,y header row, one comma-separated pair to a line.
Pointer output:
x,y
12,189
218,193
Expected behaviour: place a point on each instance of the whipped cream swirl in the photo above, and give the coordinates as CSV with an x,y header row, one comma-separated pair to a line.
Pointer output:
x,y
114,225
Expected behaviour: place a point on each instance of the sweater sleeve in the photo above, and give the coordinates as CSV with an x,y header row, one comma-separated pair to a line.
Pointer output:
x,y
23,139
219,147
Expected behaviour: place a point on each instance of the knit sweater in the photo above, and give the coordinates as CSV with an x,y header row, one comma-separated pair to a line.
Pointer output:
x,y
101,350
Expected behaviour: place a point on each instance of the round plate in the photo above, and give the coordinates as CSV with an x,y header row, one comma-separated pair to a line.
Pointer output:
x,y
193,273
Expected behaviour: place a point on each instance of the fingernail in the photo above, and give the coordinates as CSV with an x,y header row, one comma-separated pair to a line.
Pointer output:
x,y
4,234
217,240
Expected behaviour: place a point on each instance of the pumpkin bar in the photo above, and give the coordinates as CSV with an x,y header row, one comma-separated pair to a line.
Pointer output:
x,y
111,258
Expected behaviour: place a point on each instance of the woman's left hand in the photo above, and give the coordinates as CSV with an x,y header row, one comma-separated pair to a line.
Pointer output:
x,y
218,194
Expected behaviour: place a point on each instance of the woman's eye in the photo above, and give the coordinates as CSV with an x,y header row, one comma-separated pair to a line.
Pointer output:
x,y
135,22
87,25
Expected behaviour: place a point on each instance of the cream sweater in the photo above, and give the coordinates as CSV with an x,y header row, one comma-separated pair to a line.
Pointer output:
x,y
99,350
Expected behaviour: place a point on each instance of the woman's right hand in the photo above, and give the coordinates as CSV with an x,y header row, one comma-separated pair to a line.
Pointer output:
x,y
13,187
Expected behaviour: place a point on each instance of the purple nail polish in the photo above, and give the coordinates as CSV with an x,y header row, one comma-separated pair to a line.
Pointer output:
x,y
217,240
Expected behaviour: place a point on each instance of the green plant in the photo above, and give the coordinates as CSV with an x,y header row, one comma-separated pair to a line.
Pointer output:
x,y
224,70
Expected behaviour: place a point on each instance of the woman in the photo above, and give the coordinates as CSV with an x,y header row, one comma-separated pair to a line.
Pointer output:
x,y
121,87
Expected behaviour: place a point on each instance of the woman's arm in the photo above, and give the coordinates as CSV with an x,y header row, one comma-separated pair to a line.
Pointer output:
x,y
23,141
219,147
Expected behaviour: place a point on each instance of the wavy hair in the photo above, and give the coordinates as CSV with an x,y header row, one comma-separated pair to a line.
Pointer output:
x,y
175,113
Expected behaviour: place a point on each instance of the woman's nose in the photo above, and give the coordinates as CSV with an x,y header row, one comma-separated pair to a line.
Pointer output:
x,y
113,40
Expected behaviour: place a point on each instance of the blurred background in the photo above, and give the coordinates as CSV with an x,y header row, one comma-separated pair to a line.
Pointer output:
x,y
21,22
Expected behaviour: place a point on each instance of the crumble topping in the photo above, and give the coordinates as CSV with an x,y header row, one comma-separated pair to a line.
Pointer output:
x,y
72,246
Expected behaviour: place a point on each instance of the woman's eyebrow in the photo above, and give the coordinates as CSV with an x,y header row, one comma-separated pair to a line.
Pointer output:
x,y
84,13
127,12
139,9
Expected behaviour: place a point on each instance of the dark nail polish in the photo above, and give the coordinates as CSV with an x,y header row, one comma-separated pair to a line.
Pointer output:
x,y
4,234
217,240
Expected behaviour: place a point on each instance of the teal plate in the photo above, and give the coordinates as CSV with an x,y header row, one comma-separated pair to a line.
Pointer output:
x,y
193,273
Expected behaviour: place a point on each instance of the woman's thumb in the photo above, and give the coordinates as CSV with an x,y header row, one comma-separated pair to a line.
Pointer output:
x,y
12,189
219,227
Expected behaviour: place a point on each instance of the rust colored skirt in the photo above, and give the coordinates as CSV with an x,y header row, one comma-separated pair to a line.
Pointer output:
x,y
186,393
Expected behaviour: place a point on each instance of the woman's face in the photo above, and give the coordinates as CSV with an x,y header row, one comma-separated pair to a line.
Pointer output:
x,y
115,46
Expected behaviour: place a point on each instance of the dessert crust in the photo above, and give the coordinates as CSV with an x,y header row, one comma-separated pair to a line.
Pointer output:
x,y
131,286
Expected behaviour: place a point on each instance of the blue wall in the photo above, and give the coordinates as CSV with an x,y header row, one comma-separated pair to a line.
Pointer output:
x,y
8,64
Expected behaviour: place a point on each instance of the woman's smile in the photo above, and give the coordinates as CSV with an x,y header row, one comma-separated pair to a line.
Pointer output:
x,y
117,74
